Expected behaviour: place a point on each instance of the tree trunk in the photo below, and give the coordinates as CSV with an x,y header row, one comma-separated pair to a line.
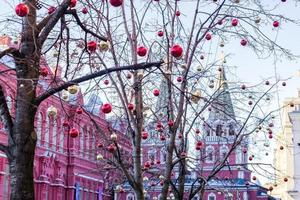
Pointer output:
x,y
21,171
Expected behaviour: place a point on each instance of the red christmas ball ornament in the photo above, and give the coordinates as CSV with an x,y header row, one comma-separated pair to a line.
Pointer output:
x,y
106,108
250,103
202,57
177,13
162,137
283,83
144,135
156,92
176,51
100,145
84,10
220,22
254,178
92,46
147,164
66,123
285,179
106,82
44,71
141,51
160,33
170,123
234,22
74,133
276,24
244,42
22,10
208,36
79,111
179,135
267,82
243,87
197,131
250,158
159,125
111,148
270,188
179,79
116,3
51,10
130,106
270,136
73,3
158,162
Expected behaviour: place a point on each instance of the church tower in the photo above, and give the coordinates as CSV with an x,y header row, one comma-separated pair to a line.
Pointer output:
x,y
221,131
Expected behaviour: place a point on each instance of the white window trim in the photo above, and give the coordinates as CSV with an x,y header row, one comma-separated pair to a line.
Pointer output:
x,y
130,195
211,195
206,154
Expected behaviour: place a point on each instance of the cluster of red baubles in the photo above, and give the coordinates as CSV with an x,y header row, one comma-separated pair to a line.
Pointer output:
x,y
199,145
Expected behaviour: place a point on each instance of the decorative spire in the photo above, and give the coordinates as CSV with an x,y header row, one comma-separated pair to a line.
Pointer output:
x,y
222,108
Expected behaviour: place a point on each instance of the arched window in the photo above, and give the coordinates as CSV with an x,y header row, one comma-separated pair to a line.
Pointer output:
x,y
210,154
39,128
223,152
61,141
152,154
219,130
163,155
211,196
130,196
81,140
9,103
47,131
239,155
54,133
231,129
228,196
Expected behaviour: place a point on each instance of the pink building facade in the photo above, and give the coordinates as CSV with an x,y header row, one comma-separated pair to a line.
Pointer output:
x,y
65,168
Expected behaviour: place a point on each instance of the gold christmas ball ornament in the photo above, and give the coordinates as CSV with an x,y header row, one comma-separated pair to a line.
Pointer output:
x,y
99,157
52,111
73,89
104,45
195,96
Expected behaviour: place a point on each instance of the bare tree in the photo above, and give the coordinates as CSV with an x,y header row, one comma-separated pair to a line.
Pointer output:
x,y
125,34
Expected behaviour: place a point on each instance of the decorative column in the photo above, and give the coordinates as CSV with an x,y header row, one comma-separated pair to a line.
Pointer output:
x,y
295,120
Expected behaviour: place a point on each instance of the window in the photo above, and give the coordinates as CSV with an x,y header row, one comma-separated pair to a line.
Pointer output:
x,y
47,132
211,196
241,174
219,130
163,155
209,154
54,134
239,155
39,128
130,197
231,130
229,196
223,152
152,154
